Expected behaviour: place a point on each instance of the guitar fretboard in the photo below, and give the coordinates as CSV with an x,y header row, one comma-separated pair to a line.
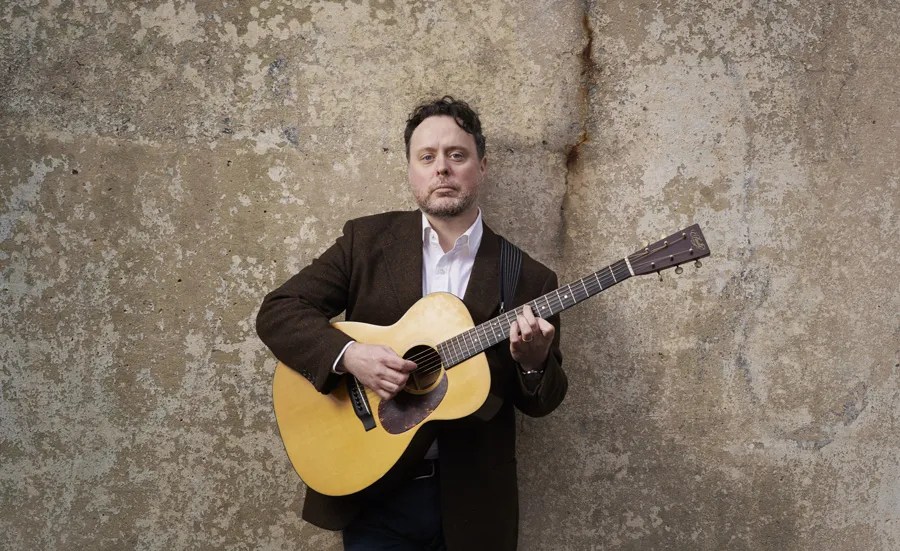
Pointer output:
x,y
481,337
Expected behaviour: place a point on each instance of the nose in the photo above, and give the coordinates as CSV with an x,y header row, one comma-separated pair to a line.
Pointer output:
x,y
441,166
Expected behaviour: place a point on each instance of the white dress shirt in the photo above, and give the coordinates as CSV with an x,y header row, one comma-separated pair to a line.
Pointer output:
x,y
449,272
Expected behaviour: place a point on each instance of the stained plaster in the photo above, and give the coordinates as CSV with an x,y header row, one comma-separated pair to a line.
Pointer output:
x,y
165,164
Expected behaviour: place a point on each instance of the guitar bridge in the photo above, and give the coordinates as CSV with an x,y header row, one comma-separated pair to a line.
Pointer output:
x,y
360,403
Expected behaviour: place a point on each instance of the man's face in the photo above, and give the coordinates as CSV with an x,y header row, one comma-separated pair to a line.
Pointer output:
x,y
444,169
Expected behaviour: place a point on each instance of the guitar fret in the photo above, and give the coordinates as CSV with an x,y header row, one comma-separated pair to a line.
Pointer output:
x,y
448,352
470,344
476,336
624,269
481,337
496,330
466,342
493,331
597,277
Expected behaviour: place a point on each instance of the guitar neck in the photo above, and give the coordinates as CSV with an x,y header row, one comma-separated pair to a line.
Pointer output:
x,y
481,337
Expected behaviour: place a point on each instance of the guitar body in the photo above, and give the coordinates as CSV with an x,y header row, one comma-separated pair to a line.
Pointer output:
x,y
328,444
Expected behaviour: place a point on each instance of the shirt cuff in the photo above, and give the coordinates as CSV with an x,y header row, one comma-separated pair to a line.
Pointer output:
x,y
336,367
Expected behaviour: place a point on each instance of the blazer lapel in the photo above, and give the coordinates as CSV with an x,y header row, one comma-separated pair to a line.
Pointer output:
x,y
483,292
402,247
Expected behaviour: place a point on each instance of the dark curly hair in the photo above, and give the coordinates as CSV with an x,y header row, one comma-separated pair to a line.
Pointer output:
x,y
465,117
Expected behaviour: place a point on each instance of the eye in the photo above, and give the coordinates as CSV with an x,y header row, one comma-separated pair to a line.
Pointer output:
x,y
427,157
457,156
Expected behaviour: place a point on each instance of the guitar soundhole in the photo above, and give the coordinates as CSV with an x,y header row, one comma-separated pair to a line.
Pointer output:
x,y
428,369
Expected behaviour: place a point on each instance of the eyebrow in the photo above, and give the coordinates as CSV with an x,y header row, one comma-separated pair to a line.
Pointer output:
x,y
452,146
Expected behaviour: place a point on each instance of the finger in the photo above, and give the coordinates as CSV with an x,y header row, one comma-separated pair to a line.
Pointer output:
x,y
514,332
529,317
392,376
383,394
399,364
388,356
408,366
390,387
535,322
524,328
546,328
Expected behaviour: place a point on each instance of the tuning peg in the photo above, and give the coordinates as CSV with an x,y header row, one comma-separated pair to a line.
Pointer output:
x,y
679,270
698,264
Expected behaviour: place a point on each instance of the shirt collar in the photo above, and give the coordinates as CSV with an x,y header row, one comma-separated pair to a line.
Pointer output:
x,y
471,237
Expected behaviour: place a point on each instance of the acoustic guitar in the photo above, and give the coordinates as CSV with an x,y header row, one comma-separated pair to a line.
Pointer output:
x,y
345,441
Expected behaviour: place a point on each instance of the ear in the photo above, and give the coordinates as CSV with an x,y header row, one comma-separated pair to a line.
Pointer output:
x,y
482,166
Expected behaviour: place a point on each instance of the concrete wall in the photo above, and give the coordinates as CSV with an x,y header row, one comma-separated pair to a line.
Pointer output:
x,y
164,164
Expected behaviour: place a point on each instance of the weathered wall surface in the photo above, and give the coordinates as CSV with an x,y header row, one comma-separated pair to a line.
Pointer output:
x,y
164,164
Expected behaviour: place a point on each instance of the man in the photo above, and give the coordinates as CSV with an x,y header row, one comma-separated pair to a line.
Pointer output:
x,y
461,492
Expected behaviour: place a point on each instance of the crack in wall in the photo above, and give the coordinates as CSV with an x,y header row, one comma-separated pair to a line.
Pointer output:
x,y
589,69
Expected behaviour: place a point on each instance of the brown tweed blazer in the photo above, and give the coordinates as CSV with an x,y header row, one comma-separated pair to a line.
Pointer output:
x,y
373,273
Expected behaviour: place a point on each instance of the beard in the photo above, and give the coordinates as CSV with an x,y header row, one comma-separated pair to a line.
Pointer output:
x,y
446,207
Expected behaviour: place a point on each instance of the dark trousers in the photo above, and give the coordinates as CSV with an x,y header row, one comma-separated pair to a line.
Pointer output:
x,y
406,519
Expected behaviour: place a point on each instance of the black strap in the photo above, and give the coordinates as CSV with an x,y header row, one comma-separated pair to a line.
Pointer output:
x,y
510,266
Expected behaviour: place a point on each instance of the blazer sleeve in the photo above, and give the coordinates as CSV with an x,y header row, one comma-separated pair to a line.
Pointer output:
x,y
550,391
294,320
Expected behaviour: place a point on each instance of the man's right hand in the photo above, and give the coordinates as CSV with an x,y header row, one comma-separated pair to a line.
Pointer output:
x,y
378,368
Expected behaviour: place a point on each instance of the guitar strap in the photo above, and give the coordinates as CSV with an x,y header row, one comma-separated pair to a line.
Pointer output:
x,y
510,266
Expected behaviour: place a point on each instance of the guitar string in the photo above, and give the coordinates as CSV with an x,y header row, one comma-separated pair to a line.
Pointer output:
x,y
553,302
428,368
431,366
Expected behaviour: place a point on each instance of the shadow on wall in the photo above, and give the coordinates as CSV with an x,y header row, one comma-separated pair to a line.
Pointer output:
x,y
612,473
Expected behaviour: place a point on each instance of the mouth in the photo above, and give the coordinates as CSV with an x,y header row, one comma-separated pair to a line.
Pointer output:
x,y
444,188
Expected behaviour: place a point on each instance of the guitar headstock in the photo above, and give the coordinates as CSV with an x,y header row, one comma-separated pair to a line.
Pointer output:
x,y
683,246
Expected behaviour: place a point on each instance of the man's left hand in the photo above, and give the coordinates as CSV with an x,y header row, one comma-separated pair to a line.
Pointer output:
x,y
529,340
